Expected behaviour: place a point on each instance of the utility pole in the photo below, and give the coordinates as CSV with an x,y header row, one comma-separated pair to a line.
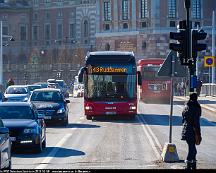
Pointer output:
x,y
213,46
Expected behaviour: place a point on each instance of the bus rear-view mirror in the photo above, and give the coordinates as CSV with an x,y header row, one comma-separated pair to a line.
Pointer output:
x,y
80,74
139,78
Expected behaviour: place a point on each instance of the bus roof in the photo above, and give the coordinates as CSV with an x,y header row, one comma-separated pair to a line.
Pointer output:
x,y
110,57
110,53
153,61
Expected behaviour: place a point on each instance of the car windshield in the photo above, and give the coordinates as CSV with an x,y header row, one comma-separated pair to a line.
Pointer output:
x,y
46,96
16,112
16,90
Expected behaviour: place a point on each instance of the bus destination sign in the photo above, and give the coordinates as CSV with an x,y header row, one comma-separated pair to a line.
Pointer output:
x,y
107,69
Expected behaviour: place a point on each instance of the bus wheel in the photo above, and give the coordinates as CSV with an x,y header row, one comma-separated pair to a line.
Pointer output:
x,y
88,117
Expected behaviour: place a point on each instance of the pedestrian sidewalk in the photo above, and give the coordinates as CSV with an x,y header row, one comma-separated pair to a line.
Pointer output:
x,y
207,102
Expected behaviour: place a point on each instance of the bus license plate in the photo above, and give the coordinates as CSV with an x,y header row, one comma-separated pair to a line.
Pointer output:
x,y
110,113
47,117
13,138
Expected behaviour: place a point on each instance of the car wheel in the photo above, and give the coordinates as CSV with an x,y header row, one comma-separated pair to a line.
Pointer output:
x,y
65,122
39,147
88,117
44,144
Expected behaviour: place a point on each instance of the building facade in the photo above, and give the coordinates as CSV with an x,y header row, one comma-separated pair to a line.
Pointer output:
x,y
143,26
53,36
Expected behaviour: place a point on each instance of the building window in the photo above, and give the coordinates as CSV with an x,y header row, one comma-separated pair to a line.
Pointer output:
x,y
143,24
144,9
59,31
59,14
125,26
124,9
47,32
107,11
196,9
172,8
35,33
35,2
107,27
172,23
23,33
72,30
197,24
143,44
47,15
35,16
5,32
86,28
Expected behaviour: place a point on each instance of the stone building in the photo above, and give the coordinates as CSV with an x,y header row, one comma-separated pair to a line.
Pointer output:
x,y
53,36
143,26
50,36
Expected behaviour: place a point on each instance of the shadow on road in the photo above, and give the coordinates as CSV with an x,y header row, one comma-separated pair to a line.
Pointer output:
x,y
74,125
182,102
163,120
115,119
61,152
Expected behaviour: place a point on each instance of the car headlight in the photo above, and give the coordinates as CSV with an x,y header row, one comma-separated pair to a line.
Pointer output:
x,y
30,130
25,99
60,111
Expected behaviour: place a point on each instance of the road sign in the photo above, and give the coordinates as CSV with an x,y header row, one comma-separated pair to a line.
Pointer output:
x,y
209,61
166,68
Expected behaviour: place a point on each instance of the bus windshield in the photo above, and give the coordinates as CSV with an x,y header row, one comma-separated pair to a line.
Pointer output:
x,y
111,87
150,72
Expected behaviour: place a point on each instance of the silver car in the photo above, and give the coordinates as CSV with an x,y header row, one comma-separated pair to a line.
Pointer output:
x,y
5,147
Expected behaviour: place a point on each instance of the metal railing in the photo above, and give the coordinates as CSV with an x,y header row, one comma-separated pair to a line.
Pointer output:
x,y
208,89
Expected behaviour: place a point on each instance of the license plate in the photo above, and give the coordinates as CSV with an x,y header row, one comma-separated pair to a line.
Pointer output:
x,y
110,113
13,138
48,117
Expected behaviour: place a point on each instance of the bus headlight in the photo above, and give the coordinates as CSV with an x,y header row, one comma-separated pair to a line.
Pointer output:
x,y
132,107
88,108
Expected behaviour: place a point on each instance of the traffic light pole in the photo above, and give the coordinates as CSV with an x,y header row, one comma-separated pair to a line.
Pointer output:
x,y
192,62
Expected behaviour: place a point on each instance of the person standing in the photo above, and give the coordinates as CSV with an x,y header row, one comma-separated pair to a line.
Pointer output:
x,y
10,82
191,131
199,86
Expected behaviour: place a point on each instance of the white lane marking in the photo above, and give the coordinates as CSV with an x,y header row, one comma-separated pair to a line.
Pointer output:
x,y
153,135
52,154
150,139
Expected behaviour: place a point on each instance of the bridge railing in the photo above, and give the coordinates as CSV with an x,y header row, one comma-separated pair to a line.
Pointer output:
x,y
208,89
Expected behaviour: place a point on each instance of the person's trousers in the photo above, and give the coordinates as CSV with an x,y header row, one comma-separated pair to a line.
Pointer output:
x,y
191,150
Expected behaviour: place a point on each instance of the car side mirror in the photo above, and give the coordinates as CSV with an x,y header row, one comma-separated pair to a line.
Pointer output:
x,y
139,78
67,101
4,130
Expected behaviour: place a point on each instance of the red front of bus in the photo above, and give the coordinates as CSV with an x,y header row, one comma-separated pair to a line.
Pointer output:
x,y
154,89
94,108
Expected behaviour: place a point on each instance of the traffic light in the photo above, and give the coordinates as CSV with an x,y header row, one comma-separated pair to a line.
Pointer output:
x,y
181,46
198,35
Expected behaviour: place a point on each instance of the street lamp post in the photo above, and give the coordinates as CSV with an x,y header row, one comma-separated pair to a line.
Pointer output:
x,y
1,45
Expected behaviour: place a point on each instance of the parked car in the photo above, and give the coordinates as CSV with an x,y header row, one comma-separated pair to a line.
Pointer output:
x,y
5,147
51,103
2,97
42,84
17,93
26,126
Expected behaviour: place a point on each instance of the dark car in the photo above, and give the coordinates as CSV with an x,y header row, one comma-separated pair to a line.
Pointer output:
x,y
25,125
52,104
33,87
5,147
16,93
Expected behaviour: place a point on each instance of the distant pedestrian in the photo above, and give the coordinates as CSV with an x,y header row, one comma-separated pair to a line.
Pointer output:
x,y
10,82
179,89
191,132
199,86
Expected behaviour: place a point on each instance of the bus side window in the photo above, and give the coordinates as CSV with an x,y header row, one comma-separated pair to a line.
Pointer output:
x,y
139,78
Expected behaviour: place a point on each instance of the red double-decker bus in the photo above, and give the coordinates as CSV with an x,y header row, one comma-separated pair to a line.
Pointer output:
x,y
110,84
154,89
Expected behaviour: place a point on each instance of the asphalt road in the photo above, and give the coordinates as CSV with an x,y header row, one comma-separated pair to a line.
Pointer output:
x,y
113,143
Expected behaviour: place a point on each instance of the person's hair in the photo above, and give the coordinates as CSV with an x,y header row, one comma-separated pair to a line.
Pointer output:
x,y
193,96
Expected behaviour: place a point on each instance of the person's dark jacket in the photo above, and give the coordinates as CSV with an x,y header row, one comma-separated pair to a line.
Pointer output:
x,y
191,120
